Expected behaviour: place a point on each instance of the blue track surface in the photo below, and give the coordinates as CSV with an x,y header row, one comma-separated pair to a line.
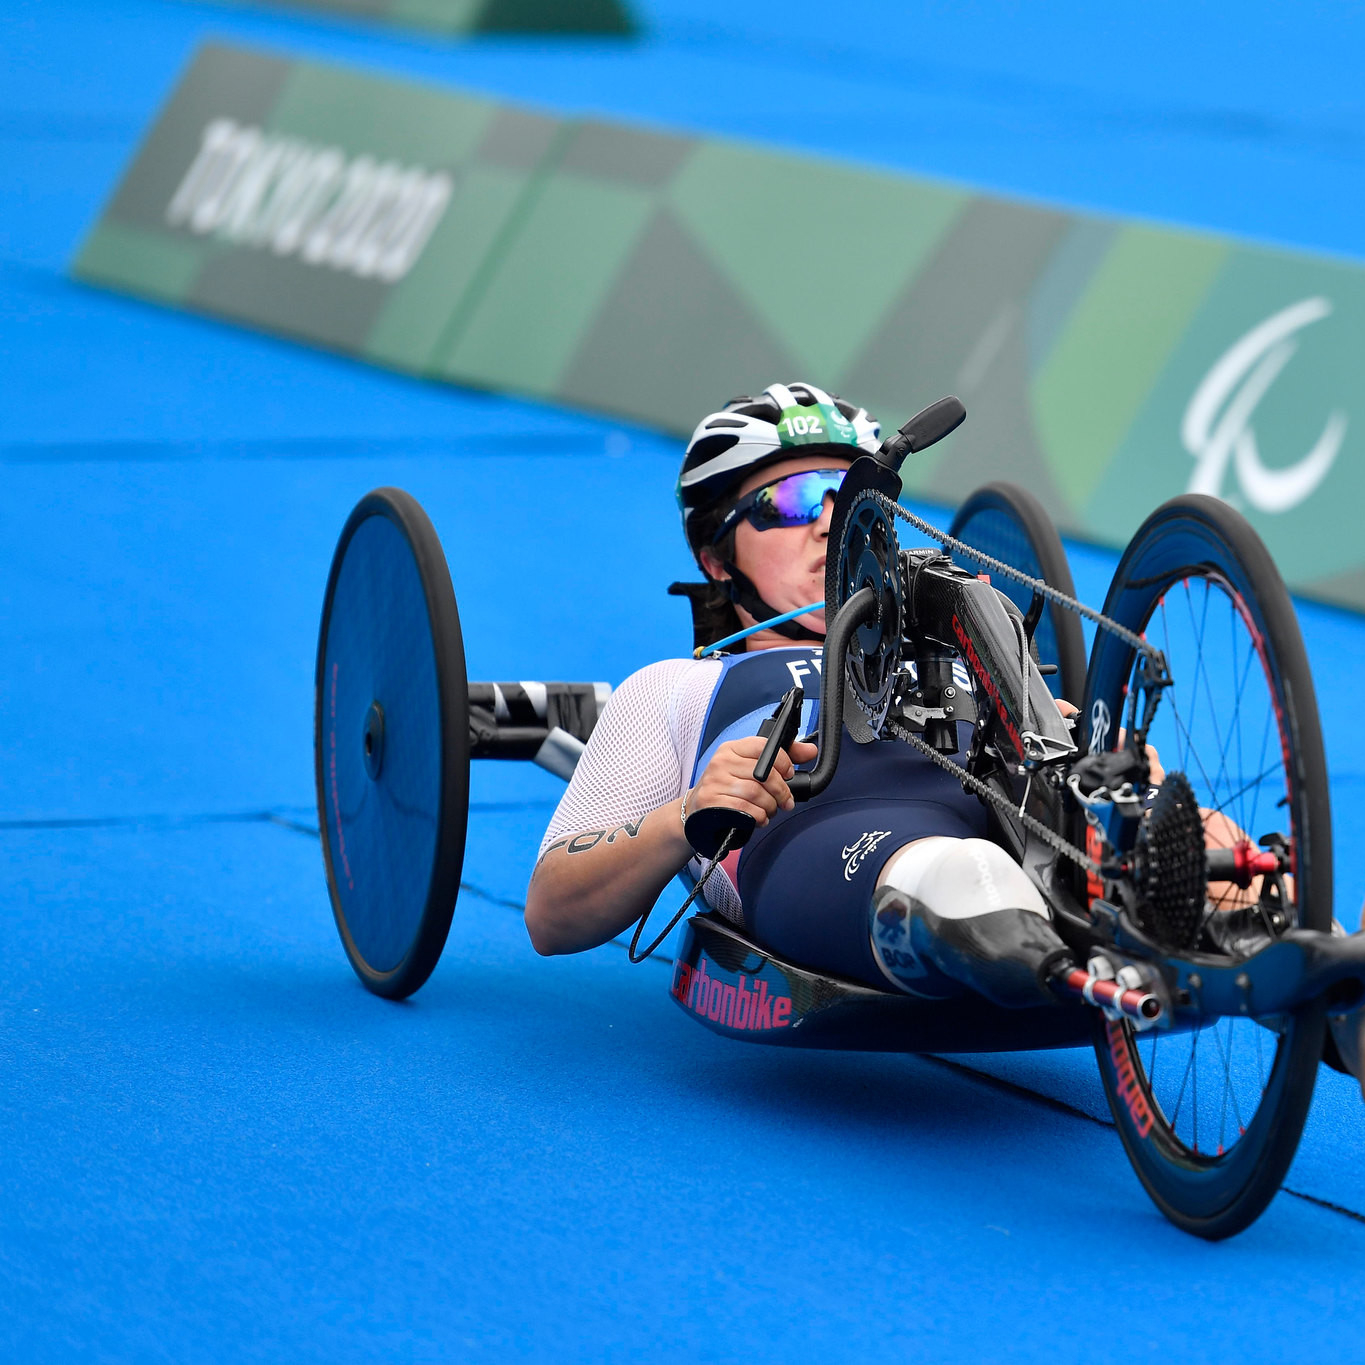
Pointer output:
x,y
213,1144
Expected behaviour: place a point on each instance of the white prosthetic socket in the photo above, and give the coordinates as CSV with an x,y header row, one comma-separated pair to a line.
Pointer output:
x,y
951,913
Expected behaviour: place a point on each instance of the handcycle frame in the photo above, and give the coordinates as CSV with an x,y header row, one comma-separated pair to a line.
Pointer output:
x,y
943,607
396,724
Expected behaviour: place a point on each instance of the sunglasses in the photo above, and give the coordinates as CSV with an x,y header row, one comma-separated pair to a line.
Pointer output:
x,y
792,500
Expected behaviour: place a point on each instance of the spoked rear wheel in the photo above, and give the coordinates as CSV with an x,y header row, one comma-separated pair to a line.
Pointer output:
x,y
1211,1117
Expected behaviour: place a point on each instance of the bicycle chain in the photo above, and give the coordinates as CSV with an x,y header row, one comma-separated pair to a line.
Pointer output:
x,y
972,783
1037,585
1002,803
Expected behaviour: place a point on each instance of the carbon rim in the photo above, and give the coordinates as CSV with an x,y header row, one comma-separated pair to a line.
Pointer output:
x,y
1008,522
1211,1116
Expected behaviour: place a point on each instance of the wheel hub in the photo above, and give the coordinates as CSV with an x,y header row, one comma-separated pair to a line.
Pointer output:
x,y
372,742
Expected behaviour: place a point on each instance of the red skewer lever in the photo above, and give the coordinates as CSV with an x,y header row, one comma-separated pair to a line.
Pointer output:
x,y
1138,1004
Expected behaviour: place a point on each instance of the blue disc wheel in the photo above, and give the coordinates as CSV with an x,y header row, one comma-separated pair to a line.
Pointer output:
x,y
391,743
1007,522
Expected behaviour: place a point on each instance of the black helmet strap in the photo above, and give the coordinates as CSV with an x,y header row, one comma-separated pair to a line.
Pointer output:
x,y
743,594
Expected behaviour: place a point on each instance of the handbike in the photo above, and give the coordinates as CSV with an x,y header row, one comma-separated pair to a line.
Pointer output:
x,y
1195,905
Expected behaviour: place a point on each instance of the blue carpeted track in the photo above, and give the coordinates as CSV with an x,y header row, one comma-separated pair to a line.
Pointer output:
x,y
214,1145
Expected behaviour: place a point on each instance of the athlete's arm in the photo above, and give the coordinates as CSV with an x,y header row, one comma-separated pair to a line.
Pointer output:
x,y
592,884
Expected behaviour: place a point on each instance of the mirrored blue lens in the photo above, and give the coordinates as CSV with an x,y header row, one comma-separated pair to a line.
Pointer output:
x,y
796,500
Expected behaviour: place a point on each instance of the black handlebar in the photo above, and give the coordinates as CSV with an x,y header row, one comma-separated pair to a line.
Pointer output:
x,y
926,427
861,608
708,828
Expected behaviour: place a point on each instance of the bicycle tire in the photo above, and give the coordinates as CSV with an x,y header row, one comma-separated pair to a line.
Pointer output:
x,y
1006,521
1202,541
391,743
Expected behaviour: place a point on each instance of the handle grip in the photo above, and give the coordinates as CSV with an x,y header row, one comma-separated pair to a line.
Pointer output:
x,y
927,426
706,828
781,728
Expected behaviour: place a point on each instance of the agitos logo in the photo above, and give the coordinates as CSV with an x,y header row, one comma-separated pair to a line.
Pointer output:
x,y
1218,428
294,198
736,1007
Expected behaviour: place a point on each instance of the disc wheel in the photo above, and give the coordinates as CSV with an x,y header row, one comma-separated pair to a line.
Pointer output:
x,y
1007,522
1210,1116
391,743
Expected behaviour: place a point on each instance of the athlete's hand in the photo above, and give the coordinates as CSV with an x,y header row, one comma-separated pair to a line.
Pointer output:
x,y
728,779
1157,774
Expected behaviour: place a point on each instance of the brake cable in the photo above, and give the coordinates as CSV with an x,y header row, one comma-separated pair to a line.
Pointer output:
x,y
715,862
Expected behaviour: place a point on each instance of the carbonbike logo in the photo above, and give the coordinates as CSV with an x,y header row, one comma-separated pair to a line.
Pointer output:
x,y
1217,426
860,849
992,689
294,198
735,1007
1126,1079
1100,724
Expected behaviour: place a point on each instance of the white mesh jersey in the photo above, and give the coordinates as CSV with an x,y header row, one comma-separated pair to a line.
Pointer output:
x,y
640,756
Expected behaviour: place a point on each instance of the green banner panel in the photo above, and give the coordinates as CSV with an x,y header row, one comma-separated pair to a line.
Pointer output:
x,y
318,202
454,17
1107,365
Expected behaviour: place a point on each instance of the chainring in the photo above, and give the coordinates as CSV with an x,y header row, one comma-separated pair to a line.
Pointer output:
x,y
869,557
1169,869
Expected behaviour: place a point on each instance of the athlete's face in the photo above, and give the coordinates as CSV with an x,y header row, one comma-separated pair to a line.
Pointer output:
x,y
786,563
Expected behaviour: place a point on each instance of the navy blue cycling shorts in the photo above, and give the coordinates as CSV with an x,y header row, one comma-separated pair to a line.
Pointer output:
x,y
807,877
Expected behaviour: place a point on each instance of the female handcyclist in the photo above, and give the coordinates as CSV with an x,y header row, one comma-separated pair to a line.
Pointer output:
x,y
887,877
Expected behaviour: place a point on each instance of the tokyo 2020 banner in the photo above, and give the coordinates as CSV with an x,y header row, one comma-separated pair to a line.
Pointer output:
x,y
1106,364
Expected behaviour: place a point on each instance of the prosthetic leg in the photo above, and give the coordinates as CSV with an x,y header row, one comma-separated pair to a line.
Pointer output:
x,y
960,913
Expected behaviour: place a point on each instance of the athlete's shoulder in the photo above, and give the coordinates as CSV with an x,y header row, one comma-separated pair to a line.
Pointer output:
x,y
664,674
656,686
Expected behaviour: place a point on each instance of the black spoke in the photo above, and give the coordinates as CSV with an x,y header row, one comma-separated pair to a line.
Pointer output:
x,y
1184,1081
1255,782
1238,720
1229,1091
1194,1084
1219,763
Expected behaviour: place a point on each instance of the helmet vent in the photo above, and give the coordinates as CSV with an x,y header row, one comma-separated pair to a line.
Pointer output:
x,y
709,447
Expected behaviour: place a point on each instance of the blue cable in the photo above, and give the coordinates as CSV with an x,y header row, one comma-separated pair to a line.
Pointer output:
x,y
751,630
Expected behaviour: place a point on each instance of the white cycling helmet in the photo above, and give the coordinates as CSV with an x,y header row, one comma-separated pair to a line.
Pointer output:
x,y
785,420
